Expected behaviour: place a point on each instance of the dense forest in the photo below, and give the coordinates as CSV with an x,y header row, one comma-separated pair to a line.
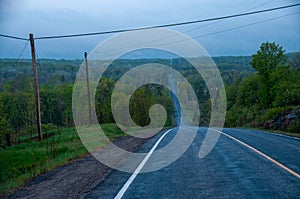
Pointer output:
x,y
270,98
255,93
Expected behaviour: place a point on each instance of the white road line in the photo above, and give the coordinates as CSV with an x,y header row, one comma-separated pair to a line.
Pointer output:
x,y
139,168
262,154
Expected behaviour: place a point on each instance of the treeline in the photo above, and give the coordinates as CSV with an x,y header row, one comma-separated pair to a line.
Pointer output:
x,y
18,113
56,77
139,105
53,71
254,94
273,89
50,71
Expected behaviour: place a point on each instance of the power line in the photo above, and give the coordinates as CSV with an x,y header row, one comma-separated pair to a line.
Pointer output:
x,y
287,43
247,25
20,55
154,27
13,37
205,35
169,25
247,10
22,51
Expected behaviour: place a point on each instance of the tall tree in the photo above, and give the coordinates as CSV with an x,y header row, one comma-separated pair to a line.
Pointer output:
x,y
268,58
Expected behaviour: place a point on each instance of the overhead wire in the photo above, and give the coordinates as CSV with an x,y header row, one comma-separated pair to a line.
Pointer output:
x,y
208,25
156,26
13,37
257,6
213,33
20,55
23,50
288,41
168,25
247,25
252,8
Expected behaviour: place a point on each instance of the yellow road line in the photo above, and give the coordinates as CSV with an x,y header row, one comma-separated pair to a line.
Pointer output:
x,y
262,154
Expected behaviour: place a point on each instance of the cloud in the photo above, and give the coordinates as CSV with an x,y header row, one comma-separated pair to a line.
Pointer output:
x,y
70,17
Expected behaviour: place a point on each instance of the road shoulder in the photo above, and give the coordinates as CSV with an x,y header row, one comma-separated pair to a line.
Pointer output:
x,y
74,179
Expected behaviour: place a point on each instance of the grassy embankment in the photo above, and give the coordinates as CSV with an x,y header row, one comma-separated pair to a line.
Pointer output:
x,y
280,132
22,162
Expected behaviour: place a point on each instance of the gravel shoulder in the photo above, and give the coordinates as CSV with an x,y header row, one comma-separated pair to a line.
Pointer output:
x,y
75,179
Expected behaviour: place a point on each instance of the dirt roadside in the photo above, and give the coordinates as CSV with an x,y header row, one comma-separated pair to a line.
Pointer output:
x,y
75,179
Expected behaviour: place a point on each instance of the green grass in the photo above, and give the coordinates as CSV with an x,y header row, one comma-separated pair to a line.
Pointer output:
x,y
273,131
283,133
20,163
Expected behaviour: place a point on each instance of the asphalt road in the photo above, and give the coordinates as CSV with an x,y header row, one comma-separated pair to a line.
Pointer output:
x,y
231,170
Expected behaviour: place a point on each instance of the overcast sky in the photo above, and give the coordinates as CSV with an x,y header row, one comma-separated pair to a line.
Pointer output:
x,y
56,17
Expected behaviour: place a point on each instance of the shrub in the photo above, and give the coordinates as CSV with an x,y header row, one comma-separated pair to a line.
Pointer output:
x,y
294,126
273,112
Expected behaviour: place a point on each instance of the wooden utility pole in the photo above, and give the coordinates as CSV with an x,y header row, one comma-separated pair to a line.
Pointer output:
x,y
36,88
88,86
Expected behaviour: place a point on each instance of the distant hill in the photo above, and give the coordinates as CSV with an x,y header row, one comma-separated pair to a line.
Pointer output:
x,y
56,71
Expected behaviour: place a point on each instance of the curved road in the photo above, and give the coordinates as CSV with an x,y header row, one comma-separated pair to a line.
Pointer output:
x,y
231,170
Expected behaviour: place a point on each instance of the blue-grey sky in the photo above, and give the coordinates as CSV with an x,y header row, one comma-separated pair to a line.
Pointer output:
x,y
56,17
